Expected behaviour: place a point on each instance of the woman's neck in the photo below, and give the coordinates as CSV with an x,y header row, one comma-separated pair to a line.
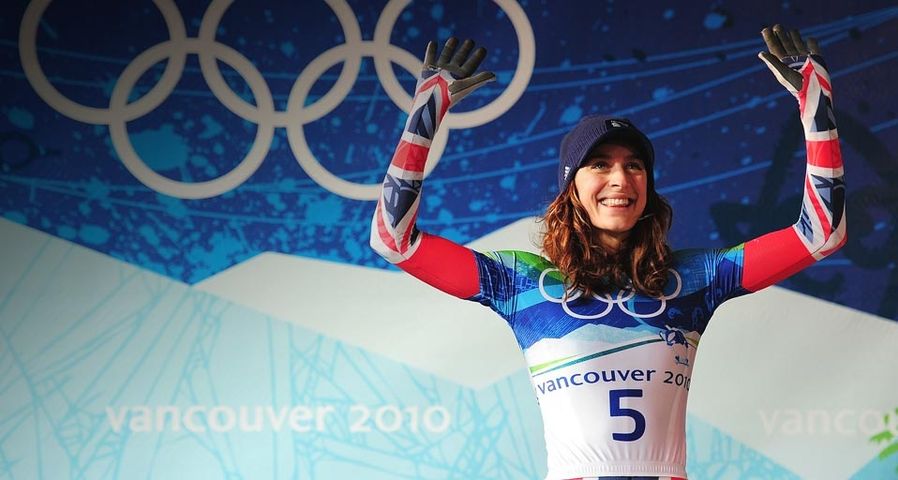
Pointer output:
x,y
612,241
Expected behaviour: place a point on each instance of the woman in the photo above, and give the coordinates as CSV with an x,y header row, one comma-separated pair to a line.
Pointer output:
x,y
609,318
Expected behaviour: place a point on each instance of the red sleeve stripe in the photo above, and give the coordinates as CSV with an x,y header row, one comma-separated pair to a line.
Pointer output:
x,y
410,157
812,68
824,83
824,154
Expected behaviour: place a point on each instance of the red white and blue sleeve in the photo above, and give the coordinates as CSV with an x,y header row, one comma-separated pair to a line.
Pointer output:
x,y
820,229
437,261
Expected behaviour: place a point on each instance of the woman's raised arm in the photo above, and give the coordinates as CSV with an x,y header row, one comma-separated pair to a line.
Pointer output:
x,y
820,229
439,262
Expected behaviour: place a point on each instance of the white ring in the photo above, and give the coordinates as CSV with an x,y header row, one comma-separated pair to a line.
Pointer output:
x,y
296,115
545,294
564,301
516,88
621,298
192,190
94,115
663,298
296,111
567,309
296,131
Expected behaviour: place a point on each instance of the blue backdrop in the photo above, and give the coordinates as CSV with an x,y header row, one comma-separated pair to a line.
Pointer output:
x,y
185,139
727,135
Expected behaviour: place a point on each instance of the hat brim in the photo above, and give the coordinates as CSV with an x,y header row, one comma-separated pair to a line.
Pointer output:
x,y
627,138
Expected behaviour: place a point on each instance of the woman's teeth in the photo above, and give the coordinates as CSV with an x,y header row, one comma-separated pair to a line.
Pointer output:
x,y
615,202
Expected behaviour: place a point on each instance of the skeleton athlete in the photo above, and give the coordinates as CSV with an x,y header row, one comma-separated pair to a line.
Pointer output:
x,y
608,317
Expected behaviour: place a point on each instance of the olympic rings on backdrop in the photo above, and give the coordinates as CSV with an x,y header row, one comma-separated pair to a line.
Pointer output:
x,y
263,114
621,299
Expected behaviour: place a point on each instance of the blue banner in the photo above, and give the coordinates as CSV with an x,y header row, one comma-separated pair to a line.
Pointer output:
x,y
187,192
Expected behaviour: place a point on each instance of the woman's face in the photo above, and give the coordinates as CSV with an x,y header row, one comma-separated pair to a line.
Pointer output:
x,y
611,185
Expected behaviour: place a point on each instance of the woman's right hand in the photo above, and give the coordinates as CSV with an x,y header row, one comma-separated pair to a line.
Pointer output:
x,y
460,63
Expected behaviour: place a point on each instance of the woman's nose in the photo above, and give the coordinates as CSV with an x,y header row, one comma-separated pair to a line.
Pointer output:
x,y
618,176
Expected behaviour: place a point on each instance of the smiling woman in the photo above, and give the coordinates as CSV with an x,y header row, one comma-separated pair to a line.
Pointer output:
x,y
608,227
608,307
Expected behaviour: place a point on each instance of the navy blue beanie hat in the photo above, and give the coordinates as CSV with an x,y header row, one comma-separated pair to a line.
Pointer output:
x,y
593,130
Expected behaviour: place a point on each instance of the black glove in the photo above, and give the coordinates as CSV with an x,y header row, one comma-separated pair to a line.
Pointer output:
x,y
787,53
460,64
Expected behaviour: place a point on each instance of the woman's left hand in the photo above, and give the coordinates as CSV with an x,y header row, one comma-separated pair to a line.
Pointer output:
x,y
787,53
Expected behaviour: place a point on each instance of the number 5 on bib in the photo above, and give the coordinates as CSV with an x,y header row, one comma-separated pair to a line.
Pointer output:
x,y
618,411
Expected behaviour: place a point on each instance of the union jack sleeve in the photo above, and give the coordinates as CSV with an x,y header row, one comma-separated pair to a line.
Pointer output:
x,y
437,261
820,229
393,232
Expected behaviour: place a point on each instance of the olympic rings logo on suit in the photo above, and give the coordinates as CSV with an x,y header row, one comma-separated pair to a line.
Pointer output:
x,y
621,299
263,114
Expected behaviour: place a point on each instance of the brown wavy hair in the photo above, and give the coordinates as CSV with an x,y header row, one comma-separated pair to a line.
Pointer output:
x,y
643,259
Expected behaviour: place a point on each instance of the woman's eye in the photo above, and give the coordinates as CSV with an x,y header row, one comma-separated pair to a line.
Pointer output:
x,y
599,165
634,166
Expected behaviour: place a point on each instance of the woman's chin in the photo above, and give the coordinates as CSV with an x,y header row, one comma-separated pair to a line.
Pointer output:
x,y
616,228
